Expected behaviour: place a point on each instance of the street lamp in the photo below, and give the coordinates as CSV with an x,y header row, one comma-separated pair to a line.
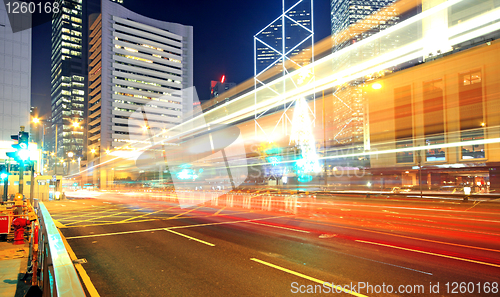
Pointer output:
x,y
44,122
70,155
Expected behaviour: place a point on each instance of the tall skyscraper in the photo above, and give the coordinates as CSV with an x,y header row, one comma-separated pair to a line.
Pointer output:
x,y
284,46
285,36
347,28
346,13
68,73
15,76
134,61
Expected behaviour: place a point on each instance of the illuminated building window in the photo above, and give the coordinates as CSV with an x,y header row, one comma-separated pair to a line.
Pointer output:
x,y
78,85
78,92
403,123
472,123
434,119
136,58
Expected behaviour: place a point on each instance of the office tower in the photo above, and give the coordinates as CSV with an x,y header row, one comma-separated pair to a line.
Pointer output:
x,y
134,61
347,28
346,13
68,73
286,36
284,46
15,76
219,87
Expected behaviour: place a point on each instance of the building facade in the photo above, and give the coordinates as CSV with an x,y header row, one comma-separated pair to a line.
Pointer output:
x,y
68,83
447,110
348,27
134,61
15,77
219,87
285,37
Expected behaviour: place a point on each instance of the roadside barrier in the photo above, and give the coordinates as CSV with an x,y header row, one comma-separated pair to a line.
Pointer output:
x,y
291,203
58,275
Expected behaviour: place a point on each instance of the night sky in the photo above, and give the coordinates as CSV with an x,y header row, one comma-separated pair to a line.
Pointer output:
x,y
223,38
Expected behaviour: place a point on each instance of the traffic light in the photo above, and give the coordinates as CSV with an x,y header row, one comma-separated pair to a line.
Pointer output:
x,y
3,172
22,153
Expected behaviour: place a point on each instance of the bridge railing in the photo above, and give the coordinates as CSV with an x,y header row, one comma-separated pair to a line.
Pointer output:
x,y
58,275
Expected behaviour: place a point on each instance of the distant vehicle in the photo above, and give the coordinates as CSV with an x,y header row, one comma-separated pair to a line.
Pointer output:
x,y
397,190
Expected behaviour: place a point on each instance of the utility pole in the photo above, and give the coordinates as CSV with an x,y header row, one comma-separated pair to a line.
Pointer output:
x,y
5,178
324,142
21,170
32,183
419,161
5,188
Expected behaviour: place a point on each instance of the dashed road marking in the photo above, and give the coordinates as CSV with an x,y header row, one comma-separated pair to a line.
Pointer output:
x,y
190,237
429,253
339,288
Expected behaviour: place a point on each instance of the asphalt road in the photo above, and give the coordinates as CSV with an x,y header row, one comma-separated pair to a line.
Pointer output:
x,y
138,247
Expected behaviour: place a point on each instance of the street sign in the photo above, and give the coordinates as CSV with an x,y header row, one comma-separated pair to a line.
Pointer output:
x,y
4,224
54,176
54,179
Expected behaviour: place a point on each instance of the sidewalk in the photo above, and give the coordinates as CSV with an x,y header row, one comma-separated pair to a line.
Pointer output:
x,y
13,263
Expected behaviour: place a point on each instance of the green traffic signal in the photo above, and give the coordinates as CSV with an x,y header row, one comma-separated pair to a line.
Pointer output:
x,y
23,140
3,172
22,153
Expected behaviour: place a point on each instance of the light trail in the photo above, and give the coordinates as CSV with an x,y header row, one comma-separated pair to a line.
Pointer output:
x,y
243,106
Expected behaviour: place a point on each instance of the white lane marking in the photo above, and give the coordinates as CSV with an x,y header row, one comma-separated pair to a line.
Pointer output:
x,y
411,237
309,278
169,228
224,223
292,229
429,209
429,253
115,233
190,237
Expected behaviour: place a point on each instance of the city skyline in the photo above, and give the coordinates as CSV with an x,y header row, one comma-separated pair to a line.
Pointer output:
x,y
371,167
211,58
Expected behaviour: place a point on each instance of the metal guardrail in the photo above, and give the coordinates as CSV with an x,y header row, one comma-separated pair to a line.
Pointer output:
x,y
58,275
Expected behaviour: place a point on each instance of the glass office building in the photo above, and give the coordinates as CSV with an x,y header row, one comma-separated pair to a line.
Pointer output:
x,y
287,36
68,81
349,25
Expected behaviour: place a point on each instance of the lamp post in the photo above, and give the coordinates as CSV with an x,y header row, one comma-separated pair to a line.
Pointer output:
x,y
70,156
44,123
419,161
